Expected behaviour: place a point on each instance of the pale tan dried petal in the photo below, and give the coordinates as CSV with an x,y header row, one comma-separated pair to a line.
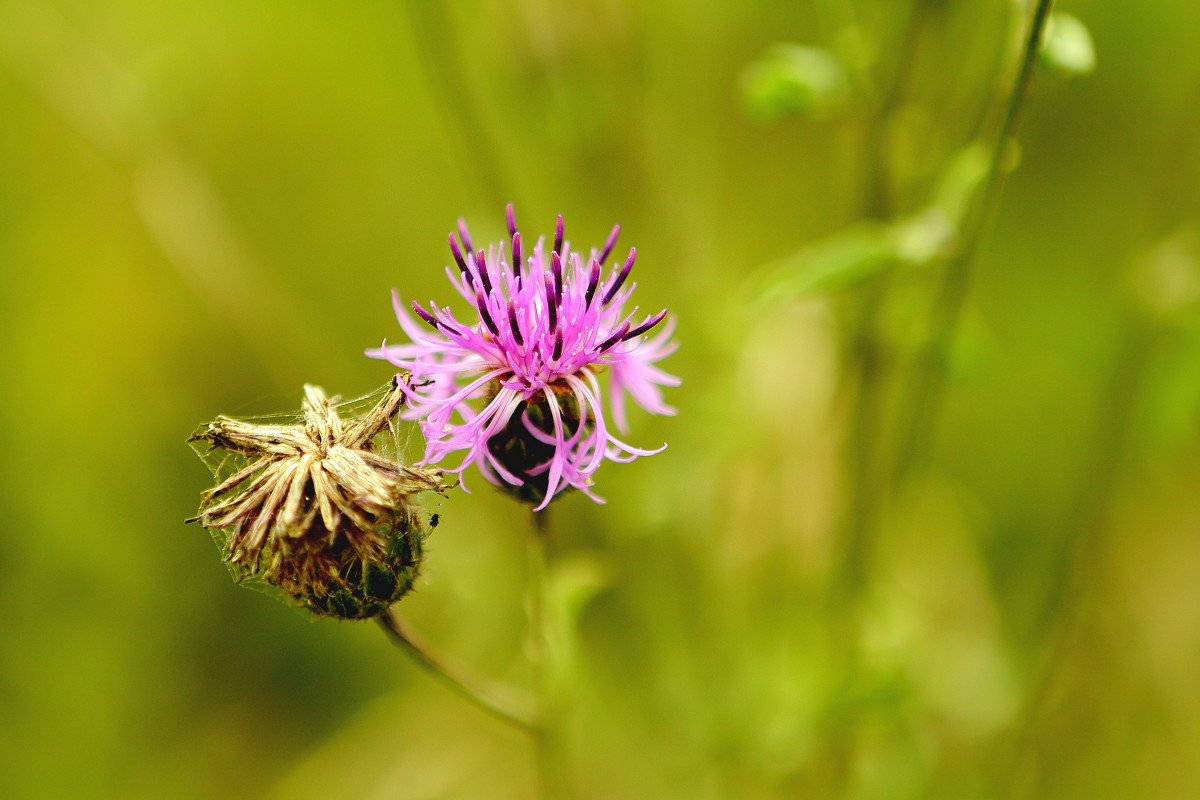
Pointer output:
x,y
290,514
359,432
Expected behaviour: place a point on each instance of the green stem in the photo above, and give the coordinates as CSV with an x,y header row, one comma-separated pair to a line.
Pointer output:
x,y
1063,607
925,408
1111,456
869,371
539,654
867,379
437,668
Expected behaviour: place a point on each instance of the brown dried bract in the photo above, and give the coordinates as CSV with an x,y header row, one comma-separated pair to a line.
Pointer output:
x,y
316,511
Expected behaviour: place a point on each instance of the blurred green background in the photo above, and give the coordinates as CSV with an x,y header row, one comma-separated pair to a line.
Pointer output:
x,y
205,205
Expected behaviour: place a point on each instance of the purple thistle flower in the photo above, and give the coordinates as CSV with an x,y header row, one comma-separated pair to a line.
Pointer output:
x,y
518,387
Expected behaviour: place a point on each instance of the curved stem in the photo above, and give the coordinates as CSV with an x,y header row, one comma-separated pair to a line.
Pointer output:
x,y
437,668
947,310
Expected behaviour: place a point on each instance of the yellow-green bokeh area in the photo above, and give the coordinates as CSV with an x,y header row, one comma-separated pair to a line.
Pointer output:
x,y
874,562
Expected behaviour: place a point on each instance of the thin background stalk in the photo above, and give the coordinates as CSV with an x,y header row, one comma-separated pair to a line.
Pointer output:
x,y
866,411
870,475
1078,555
1112,456
925,408
866,379
451,678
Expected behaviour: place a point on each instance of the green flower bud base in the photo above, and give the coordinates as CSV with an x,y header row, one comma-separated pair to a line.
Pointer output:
x,y
364,589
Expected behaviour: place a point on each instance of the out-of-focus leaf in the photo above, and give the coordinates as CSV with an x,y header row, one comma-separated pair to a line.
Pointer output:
x,y
1067,46
574,581
792,79
931,232
920,238
840,260
960,180
1166,287
1166,279
855,253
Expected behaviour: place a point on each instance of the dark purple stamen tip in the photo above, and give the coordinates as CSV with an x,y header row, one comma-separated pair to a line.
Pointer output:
x,y
616,287
485,315
425,315
556,268
558,234
510,217
616,337
551,302
516,253
593,282
481,268
610,244
512,323
462,234
558,345
458,256
647,325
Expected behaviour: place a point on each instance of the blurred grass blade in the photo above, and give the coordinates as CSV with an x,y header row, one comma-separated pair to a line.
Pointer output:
x,y
841,260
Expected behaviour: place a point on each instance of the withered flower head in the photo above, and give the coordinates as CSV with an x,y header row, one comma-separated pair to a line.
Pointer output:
x,y
316,511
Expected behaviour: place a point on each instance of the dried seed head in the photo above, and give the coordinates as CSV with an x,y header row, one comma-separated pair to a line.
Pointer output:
x,y
317,511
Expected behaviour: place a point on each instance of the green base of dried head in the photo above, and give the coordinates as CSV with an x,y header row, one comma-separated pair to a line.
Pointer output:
x,y
316,511
349,587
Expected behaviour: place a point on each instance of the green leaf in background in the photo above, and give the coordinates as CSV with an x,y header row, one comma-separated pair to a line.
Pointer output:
x,y
931,232
1067,46
960,180
1166,278
855,253
843,259
793,80
574,580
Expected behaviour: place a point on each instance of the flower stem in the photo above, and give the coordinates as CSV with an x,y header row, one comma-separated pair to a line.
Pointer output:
x,y
925,408
539,655
451,678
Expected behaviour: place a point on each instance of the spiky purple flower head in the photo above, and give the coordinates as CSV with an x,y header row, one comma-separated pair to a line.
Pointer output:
x,y
517,387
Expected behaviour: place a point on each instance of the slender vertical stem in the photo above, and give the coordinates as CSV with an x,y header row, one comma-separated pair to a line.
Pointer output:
x,y
1111,456
925,408
867,382
535,599
451,678
870,466
864,447
1062,608
545,732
